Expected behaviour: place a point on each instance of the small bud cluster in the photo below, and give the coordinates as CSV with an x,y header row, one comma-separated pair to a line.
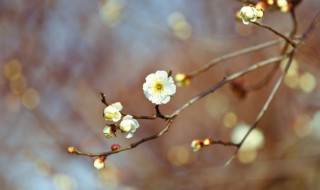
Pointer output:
x,y
197,144
250,13
284,5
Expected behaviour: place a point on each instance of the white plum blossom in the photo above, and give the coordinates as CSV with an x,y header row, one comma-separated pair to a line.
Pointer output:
x,y
112,112
99,163
248,13
196,145
159,87
129,125
108,131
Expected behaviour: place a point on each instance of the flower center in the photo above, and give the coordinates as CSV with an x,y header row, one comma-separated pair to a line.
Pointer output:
x,y
158,86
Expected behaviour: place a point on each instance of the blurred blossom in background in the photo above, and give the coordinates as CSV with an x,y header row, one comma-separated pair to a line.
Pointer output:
x,y
56,55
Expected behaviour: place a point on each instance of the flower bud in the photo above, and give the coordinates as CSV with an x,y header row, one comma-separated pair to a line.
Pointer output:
x,y
71,149
249,13
182,79
207,141
261,5
115,147
196,145
112,112
109,131
99,162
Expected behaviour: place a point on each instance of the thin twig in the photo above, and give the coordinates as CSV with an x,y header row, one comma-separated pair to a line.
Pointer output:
x,y
133,145
153,117
276,32
270,98
218,60
278,83
212,89
271,73
219,142
159,114
226,80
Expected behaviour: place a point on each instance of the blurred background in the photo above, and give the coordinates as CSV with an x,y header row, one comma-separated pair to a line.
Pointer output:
x,y
57,55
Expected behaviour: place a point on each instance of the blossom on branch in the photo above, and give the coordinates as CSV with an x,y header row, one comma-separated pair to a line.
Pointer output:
x,y
283,5
250,13
159,87
98,163
129,125
112,112
196,145
109,131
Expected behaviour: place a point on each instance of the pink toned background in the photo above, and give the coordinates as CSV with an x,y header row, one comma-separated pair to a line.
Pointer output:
x,y
67,53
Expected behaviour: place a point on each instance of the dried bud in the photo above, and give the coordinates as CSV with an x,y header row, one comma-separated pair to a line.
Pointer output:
x,y
71,149
115,147
207,141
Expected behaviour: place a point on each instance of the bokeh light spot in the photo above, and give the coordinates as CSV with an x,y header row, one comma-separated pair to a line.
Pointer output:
x,y
180,26
307,82
230,119
111,12
180,155
18,84
63,182
247,156
30,99
301,125
12,68
12,102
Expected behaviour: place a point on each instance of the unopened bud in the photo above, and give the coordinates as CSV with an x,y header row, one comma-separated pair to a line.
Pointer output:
x,y
71,149
207,141
261,5
115,147
182,79
260,13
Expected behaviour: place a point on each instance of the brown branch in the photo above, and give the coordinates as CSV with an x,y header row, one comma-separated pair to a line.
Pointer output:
x,y
153,117
133,145
271,73
219,142
278,83
270,98
276,32
226,80
212,89
222,58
